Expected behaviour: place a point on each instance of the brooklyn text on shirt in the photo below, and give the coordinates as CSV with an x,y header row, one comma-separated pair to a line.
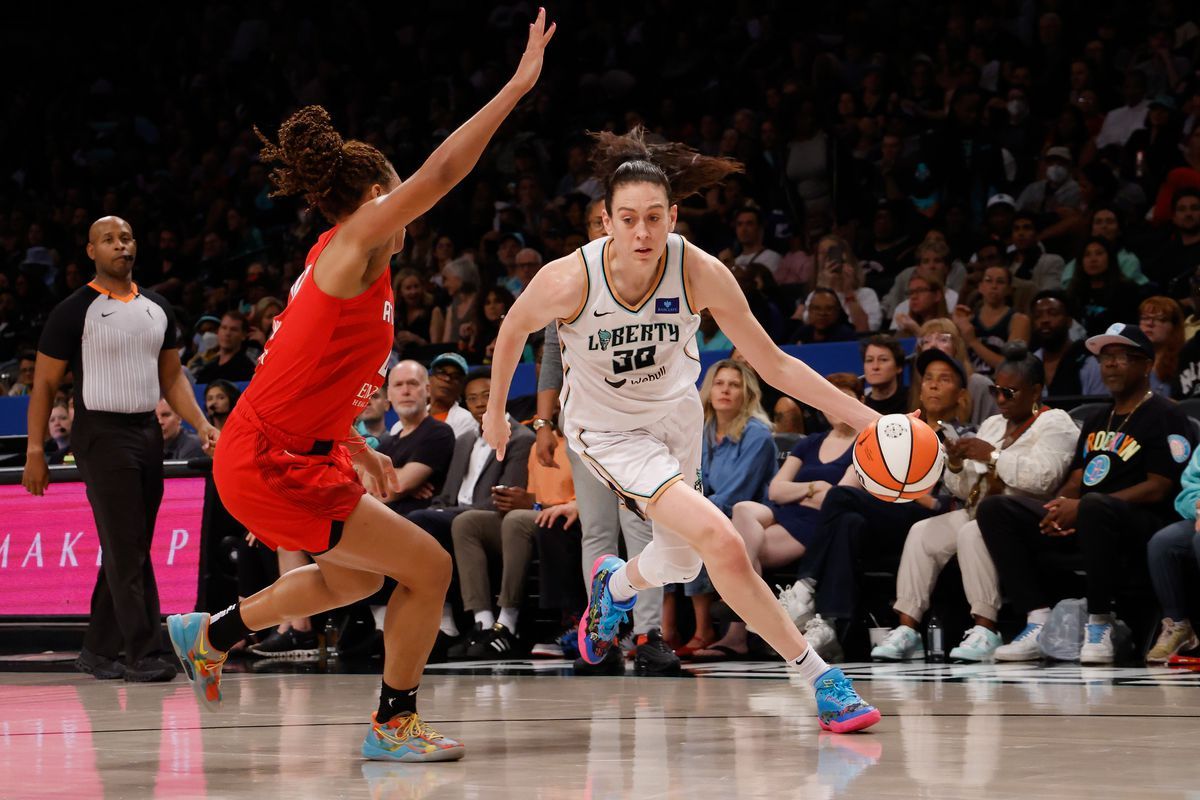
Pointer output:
x,y
1117,442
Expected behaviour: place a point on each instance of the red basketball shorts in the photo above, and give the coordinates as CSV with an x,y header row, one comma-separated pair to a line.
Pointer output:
x,y
284,496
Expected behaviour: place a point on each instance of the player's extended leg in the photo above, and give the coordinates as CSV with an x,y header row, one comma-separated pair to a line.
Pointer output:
x,y
690,518
375,542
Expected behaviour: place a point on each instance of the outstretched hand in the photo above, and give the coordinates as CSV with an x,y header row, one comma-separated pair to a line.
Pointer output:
x,y
531,61
496,431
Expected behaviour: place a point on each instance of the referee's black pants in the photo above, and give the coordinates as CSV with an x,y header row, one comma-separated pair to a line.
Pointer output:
x,y
120,458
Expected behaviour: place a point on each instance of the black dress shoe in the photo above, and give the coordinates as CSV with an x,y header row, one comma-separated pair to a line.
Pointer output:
x,y
100,667
150,669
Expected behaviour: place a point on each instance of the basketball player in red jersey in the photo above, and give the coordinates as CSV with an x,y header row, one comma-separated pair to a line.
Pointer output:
x,y
281,467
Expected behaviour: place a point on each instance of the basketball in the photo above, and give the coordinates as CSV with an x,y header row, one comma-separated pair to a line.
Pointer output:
x,y
898,458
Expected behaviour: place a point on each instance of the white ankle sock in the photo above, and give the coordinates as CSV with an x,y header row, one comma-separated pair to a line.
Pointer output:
x,y
508,618
485,618
447,626
810,666
619,586
1100,619
1039,617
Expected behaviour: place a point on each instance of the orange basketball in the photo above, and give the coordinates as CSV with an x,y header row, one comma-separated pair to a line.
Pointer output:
x,y
898,458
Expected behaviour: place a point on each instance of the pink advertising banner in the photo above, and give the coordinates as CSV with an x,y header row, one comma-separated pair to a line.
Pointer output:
x,y
49,551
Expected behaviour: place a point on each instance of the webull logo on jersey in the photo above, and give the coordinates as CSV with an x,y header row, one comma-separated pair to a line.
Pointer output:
x,y
634,334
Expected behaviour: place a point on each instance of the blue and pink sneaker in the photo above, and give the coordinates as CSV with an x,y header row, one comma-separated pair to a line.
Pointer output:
x,y
600,622
201,661
839,708
406,737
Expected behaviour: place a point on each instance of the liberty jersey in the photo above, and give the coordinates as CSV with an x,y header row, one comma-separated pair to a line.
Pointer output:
x,y
326,356
626,365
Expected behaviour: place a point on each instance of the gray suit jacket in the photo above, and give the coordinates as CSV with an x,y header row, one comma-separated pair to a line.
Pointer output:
x,y
513,471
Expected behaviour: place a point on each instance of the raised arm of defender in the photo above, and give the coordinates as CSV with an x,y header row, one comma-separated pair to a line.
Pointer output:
x,y
556,292
715,288
377,222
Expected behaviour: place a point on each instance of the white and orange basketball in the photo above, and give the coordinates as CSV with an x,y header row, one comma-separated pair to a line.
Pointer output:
x,y
898,458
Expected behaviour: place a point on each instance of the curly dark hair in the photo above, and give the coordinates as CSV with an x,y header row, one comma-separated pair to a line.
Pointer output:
x,y
679,169
316,162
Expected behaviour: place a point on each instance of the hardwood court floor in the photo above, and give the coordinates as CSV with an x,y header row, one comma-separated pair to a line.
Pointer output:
x,y
726,731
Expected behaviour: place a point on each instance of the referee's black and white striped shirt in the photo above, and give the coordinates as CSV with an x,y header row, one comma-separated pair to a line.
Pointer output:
x,y
112,345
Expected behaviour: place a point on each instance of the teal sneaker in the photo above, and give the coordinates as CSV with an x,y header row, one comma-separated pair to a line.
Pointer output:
x,y
603,617
201,661
839,708
406,737
978,645
901,644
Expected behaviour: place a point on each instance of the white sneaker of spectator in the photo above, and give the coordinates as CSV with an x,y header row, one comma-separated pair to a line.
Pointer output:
x,y
1098,643
1026,646
978,645
901,644
797,600
823,638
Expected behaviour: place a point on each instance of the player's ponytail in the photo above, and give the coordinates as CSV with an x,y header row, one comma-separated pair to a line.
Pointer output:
x,y
314,161
679,169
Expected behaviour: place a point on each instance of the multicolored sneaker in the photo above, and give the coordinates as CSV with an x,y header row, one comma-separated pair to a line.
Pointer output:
x,y
600,622
839,708
406,737
201,661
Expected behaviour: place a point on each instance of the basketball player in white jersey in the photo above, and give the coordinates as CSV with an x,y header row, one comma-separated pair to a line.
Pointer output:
x,y
627,307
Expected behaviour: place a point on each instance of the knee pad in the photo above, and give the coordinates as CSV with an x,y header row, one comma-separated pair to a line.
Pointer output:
x,y
662,565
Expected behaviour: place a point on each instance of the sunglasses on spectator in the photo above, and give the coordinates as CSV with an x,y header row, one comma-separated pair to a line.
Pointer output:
x,y
449,373
1149,318
1007,392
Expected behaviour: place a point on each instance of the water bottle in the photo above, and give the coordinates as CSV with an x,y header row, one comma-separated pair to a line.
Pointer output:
x,y
330,639
935,652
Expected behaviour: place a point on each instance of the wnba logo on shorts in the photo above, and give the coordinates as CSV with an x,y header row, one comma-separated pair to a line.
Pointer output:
x,y
699,484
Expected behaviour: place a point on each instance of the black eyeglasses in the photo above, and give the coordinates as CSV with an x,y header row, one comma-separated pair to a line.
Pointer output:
x,y
1006,392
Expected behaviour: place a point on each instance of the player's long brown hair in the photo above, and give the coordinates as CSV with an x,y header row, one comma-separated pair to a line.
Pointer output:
x,y
316,162
679,169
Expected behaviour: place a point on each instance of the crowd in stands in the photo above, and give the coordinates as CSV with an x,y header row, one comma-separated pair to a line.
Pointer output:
x,y
1013,185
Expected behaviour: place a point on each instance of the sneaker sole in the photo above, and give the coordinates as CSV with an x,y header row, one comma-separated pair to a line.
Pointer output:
x,y
447,754
859,723
581,634
106,675
287,655
901,660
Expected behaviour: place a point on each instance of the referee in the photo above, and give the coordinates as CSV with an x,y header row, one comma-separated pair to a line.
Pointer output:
x,y
119,341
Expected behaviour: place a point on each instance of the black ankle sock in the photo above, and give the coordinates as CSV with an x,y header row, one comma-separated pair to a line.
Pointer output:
x,y
395,701
226,628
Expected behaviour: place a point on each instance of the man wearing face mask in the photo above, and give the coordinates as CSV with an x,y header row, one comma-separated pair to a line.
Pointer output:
x,y
1057,190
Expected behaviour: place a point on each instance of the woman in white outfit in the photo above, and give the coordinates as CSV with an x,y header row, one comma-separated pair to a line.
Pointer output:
x,y
1026,450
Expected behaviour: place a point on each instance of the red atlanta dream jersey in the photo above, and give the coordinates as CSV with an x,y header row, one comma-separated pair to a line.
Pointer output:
x,y
326,356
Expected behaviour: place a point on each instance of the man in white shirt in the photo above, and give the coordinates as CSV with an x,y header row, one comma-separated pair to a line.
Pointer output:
x,y
473,473
1120,123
